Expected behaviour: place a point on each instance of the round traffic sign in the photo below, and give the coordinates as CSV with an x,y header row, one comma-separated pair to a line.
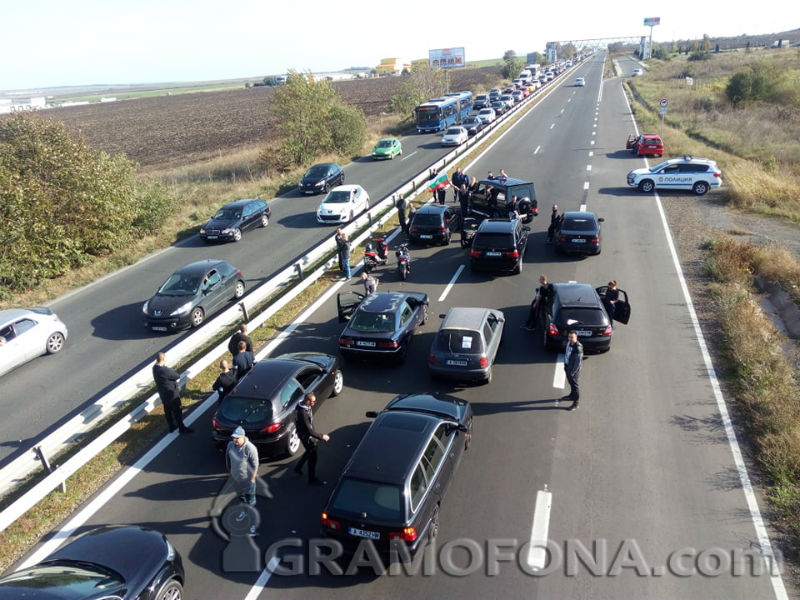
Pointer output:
x,y
663,103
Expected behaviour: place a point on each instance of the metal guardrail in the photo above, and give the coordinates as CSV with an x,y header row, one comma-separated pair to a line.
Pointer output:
x,y
73,430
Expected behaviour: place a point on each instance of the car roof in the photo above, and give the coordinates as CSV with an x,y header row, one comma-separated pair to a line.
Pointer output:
x,y
382,302
388,139
575,214
576,294
201,266
241,203
349,187
12,314
687,158
497,225
507,183
267,377
464,317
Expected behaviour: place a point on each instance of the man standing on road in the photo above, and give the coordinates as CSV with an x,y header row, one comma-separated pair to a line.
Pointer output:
x,y
539,301
463,200
309,437
226,380
402,207
344,254
243,361
240,336
553,223
167,385
241,458
573,356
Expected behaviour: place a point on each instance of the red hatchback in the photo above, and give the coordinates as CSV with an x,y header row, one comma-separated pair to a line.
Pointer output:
x,y
645,145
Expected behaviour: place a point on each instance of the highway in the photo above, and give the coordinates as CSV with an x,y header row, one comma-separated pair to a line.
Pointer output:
x,y
642,471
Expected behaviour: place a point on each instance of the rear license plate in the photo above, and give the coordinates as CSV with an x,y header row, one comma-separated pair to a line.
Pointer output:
x,y
578,241
371,535
457,363
494,254
584,333
155,328
367,344
426,237
212,237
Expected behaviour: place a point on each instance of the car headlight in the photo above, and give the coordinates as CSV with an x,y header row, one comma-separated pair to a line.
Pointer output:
x,y
226,230
181,309
320,183
144,307
202,231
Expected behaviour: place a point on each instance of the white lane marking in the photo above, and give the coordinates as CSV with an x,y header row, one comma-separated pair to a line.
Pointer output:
x,y
600,91
569,99
588,167
559,376
537,551
744,478
537,150
591,154
595,118
572,281
409,155
451,284
592,142
594,126
583,208
562,111
263,579
594,133
586,185
553,125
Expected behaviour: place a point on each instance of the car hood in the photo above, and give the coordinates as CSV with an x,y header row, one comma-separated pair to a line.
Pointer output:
x,y
333,209
311,180
377,150
642,171
220,223
166,304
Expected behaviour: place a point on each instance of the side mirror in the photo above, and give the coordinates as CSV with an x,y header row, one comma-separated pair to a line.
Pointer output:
x,y
462,428
442,316
526,228
371,414
601,220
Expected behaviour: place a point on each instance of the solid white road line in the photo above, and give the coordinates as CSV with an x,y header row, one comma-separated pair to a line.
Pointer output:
x,y
764,543
410,155
583,208
553,125
537,551
537,150
452,282
559,376
263,579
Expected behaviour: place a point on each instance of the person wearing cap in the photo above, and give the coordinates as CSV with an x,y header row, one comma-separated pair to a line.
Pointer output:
x,y
241,458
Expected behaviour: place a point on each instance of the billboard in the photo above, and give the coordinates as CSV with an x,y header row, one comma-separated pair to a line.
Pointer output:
x,y
446,58
650,21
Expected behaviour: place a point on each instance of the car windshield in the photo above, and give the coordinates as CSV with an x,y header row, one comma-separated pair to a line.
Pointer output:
x,y
659,166
575,317
485,111
337,197
228,214
471,121
379,501
385,144
372,322
453,131
579,225
246,410
180,285
65,579
459,341
317,172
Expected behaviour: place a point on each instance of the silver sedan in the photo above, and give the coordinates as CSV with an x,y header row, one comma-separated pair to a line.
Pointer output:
x,y
26,333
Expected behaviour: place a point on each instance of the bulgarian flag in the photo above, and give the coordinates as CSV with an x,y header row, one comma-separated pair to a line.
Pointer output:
x,y
440,182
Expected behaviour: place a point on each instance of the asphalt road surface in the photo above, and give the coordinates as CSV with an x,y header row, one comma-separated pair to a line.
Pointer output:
x,y
641,474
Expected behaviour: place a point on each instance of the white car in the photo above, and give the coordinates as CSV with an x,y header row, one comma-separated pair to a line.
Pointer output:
x,y
688,173
487,115
637,72
455,136
28,333
580,82
342,204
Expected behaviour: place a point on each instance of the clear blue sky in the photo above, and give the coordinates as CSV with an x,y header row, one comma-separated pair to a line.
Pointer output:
x,y
53,43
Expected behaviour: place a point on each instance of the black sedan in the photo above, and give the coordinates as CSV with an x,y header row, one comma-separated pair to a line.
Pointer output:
x,y
234,218
579,233
391,489
499,107
472,124
321,179
434,223
191,293
126,563
264,401
381,324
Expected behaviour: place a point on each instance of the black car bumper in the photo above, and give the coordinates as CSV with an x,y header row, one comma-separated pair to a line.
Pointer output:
x,y
428,237
591,345
495,265
169,323
571,248
217,237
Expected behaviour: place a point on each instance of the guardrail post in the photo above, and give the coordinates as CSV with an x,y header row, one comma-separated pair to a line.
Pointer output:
x,y
298,266
244,312
46,464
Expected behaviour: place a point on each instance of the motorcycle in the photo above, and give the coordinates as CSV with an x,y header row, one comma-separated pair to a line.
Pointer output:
x,y
403,261
375,254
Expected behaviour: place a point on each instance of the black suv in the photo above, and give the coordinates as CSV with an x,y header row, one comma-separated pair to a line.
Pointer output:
x,y
499,245
481,101
434,223
495,197
319,179
234,218
579,306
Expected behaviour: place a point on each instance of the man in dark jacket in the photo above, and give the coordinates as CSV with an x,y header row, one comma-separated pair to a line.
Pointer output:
x,y
463,199
240,336
309,437
343,250
402,208
554,221
573,357
167,385
243,361
226,380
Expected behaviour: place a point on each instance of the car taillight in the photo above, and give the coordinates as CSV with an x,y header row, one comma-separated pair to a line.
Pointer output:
x,y
535,211
484,362
442,229
552,330
595,240
431,358
330,523
474,253
513,254
414,229
607,331
238,271
562,238
387,344
271,428
717,174
215,424
345,342
409,534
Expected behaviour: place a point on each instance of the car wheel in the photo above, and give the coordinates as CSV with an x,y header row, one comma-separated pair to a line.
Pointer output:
x,y
264,220
700,188
326,188
488,379
237,235
351,217
239,290
447,237
338,383
197,317
424,314
55,342
171,590
468,436
293,442
433,528
402,355
545,328
646,186
518,268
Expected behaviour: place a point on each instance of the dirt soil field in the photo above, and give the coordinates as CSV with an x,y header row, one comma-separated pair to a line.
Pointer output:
x,y
168,131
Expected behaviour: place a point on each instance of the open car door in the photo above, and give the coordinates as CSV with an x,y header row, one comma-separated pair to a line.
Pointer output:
x,y
629,143
622,308
346,304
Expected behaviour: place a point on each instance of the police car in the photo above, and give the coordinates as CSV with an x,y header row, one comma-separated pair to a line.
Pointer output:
x,y
687,173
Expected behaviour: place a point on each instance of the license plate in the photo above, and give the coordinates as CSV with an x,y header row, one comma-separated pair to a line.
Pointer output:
x,y
159,328
367,344
578,241
426,237
212,237
584,333
494,254
457,363
371,535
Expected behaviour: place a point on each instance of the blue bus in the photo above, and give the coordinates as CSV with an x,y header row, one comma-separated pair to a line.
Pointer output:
x,y
437,114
